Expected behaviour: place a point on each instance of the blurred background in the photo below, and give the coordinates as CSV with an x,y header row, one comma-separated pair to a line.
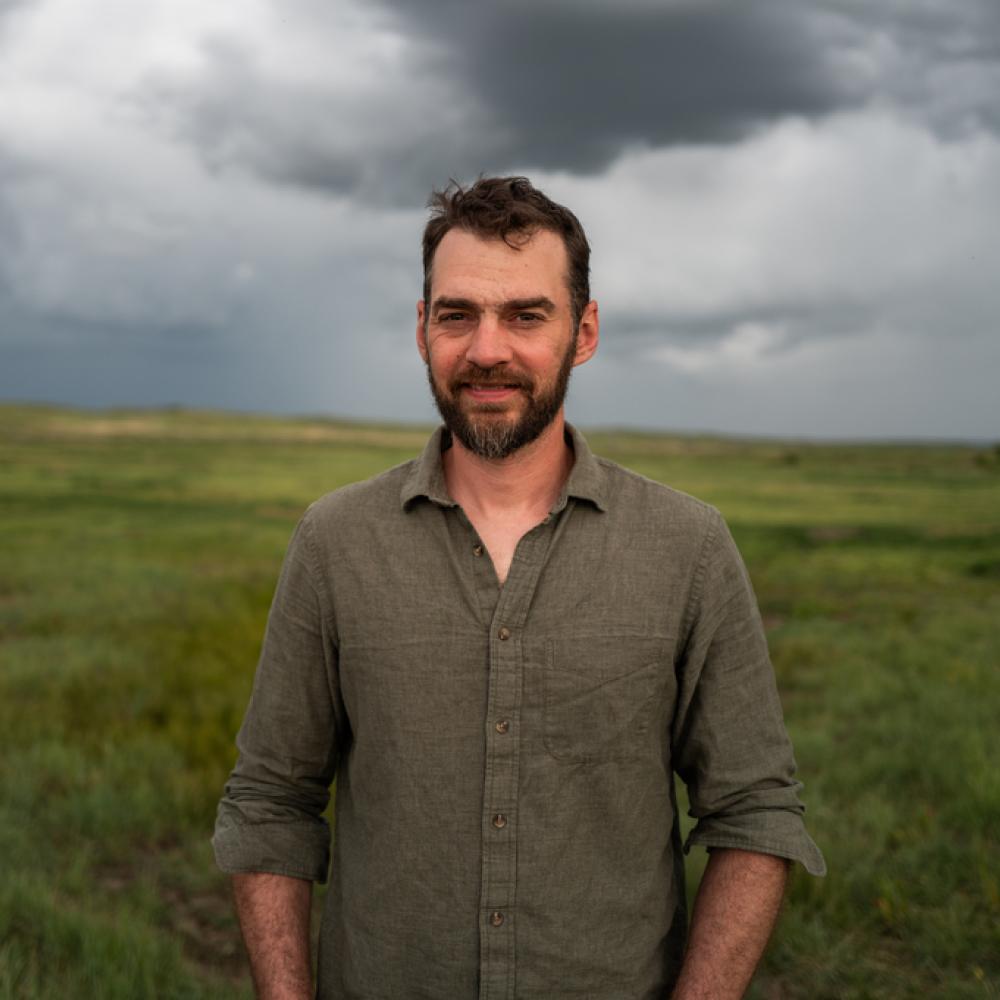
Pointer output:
x,y
792,205
209,258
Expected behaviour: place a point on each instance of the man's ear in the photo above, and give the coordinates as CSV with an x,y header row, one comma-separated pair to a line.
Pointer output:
x,y
587,334
422,330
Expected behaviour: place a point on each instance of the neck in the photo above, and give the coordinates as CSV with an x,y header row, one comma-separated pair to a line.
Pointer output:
x,y
530,478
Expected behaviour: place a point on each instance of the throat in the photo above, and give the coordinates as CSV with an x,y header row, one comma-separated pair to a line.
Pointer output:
x,y
500,541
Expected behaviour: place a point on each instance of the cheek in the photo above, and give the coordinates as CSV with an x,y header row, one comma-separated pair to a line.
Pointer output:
x,y
446,353
544,362
442,360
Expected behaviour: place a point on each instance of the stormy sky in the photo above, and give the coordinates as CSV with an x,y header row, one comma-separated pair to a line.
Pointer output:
x,y
793,204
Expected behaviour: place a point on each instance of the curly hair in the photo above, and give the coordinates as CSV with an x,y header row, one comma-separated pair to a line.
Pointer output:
x,y
510,209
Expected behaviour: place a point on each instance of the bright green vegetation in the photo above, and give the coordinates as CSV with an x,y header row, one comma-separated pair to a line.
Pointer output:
x,y
138,552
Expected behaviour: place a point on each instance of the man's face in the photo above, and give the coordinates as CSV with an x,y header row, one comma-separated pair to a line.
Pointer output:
x,y
498,338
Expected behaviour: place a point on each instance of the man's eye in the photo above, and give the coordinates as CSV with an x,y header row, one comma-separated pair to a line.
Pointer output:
x,y
451,317
528,317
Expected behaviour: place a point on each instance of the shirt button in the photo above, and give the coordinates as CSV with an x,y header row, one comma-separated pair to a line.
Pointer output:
x,y
477,550
496,918
502,726
499,821
504,632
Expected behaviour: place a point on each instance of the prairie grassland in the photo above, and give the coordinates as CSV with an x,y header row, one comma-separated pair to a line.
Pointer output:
x,y
138,553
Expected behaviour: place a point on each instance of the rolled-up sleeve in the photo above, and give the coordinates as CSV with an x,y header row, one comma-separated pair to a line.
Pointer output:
x,y
270,817
730,746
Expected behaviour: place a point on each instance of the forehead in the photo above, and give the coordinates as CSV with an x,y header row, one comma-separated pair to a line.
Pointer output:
x,y
466,265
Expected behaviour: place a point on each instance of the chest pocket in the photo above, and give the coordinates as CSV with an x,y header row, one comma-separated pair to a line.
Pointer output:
x,y
603,695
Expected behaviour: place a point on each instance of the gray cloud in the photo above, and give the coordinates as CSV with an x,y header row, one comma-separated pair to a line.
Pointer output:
x,y
570,86
791,203
502,87
372,143
939,60
11,6
565,75
635,332
11,238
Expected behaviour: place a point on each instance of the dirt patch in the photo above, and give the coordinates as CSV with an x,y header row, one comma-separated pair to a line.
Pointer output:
x,y
101,427
204,924
188,429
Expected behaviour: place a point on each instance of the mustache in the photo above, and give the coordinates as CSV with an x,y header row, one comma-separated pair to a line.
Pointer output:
x,y
497,375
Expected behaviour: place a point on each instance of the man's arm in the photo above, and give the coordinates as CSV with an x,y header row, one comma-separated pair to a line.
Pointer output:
x,y
734,912
271,815
274,918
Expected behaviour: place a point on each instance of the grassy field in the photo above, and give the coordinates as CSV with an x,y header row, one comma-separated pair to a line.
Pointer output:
x,y
138,552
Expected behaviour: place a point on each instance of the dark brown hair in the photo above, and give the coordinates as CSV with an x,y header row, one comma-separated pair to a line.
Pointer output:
x,y
510,209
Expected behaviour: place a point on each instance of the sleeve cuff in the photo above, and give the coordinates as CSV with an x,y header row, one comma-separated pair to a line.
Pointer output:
x,y
297,849
769,832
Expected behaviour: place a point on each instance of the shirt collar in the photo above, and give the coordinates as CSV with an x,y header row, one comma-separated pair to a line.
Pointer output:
x,y
426,477
586,481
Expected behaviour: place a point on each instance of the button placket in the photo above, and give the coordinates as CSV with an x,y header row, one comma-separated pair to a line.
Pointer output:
x,y
500,791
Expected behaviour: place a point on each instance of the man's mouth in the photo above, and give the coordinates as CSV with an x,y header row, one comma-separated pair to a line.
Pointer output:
x,y
490,391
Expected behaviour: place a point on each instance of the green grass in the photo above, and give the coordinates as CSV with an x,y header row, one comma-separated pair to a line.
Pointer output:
x,y
138,553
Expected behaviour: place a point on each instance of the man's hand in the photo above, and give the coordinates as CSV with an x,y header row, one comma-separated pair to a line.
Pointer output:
x,y
274,918
734,912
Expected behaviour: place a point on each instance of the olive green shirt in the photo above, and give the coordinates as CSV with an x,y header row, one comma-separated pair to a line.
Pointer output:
x,y
506,824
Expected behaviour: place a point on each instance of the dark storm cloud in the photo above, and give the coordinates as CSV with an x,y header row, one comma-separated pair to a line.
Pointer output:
x,y
571,86
552,86
573,83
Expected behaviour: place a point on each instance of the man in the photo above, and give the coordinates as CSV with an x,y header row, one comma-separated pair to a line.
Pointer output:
x,y
503,651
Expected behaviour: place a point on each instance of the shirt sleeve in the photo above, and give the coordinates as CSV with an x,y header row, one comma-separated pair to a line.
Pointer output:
x,y
730,746
269,819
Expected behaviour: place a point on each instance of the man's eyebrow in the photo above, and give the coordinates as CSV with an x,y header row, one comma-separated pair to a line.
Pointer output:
x,y
511,305
539,302
444,302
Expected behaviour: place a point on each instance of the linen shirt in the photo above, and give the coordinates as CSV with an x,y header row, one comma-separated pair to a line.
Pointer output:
x,y
506,823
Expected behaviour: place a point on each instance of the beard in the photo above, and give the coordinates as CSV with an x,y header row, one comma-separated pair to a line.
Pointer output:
x,y
487,430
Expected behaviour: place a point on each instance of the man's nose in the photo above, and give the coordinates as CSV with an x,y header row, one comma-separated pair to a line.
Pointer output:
x,y
489,345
